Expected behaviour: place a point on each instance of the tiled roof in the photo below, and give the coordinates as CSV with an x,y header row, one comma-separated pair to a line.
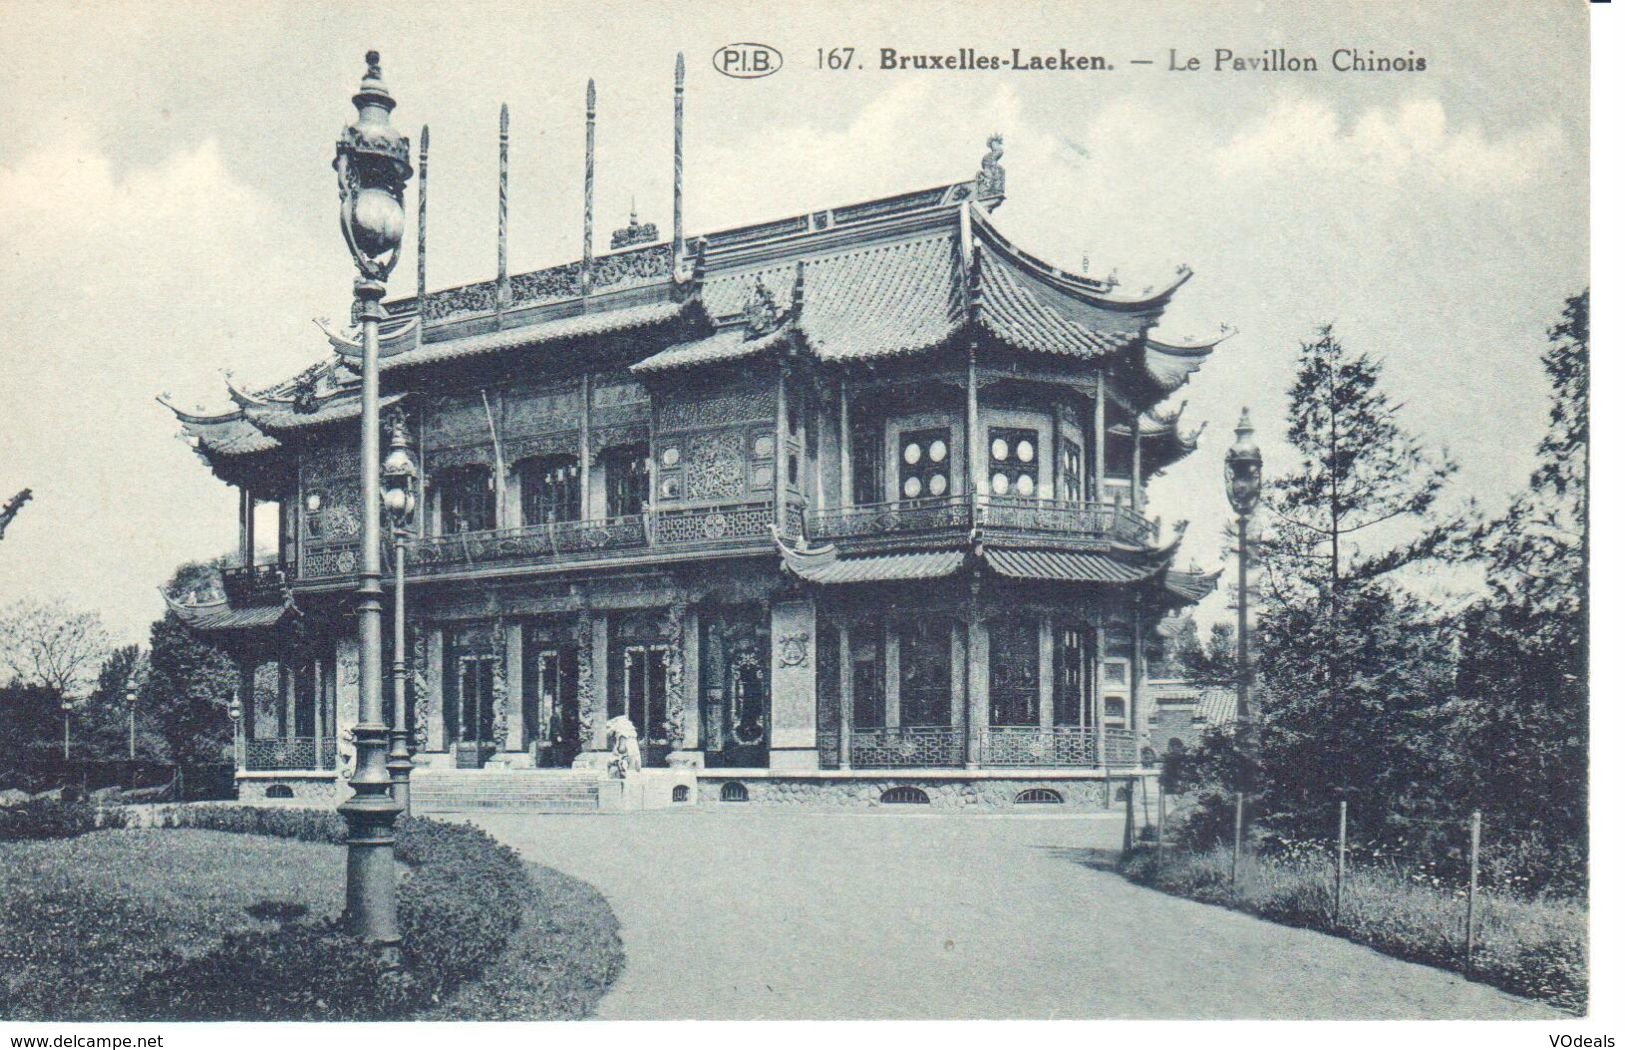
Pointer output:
x,y
873,301
220,616
1217,706
916,565
1171,366
1192,587
230,436
729,344
333,410
577,327
1067,566
1025,313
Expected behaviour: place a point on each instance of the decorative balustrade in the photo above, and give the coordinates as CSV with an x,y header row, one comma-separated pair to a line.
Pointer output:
x,y
1092,521
1059,746
256,584
293,754
705,525
430,554
918,747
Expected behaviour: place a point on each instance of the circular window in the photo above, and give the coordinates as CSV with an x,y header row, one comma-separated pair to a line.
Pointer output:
x,y
763,477
671,456
1024,485
1024,451
911,454
764,446
1001,448
1001,484
668,488
939,484
911,487
939,450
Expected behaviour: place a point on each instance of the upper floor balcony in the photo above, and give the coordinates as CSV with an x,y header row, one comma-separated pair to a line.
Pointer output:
x,y
706,530
1012,518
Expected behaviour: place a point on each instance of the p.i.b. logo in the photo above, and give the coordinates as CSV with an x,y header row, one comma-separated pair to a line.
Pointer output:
x,y
747,61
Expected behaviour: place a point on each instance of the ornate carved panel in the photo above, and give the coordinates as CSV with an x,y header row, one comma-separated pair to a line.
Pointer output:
x,y
716,466
744,407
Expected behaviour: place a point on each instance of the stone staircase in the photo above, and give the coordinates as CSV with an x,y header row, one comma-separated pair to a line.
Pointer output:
x,y
516,790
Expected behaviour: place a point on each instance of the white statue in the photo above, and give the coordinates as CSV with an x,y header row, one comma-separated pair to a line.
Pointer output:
x,y
623,747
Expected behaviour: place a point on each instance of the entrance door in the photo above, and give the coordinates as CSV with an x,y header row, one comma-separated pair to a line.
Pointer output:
x,y
643,693
476,713
557,717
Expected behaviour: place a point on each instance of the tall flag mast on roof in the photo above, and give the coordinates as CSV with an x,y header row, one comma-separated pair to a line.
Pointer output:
x,y
677,168
423,230
504,290
586,215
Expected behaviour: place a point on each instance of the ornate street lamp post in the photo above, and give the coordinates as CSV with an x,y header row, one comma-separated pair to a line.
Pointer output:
x,y
373,163
400,474
1243,484
67,733
129,703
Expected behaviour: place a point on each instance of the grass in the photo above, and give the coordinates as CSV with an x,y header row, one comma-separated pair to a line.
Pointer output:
x,y
563,959
83,919
1534,948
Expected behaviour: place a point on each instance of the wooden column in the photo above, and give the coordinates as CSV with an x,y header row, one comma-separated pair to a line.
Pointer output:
x,y
781,451
246,666
975,474
976,673
894,677
1139,713
584,448
1098,471
1137,491
958,693
317,692
1099,678
513,649
845,743
600,679
846,446
245,526
284,691
436,675
1046,673
691,679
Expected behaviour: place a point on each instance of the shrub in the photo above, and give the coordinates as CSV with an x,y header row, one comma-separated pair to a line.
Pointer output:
x,y
457,912
49,819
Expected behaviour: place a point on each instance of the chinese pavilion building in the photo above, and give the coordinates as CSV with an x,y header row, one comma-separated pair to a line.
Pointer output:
x,y
850,503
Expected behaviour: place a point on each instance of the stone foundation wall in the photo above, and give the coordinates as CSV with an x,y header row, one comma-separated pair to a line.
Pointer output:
x,y
941,794
304,791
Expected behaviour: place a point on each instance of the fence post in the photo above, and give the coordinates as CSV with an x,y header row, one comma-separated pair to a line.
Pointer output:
x,y
1162,817
1342,853
1473,827
1128,818
1235,855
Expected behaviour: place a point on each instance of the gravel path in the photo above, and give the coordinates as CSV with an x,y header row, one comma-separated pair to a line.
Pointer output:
x,y
754,914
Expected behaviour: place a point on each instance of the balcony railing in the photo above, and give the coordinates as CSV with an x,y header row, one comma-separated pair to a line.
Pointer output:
x,y
1098,522
430,554
256,584
995,747
705,526
292,754
1060,746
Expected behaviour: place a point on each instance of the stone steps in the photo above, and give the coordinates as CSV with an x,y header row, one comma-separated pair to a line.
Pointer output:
x,y
527,791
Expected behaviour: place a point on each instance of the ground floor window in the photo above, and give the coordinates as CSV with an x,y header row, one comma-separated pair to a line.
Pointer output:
x,y
868,647
1074,687
1013,672
925,666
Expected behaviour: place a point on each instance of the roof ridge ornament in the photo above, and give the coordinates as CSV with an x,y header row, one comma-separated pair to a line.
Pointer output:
x,y
761,311
990,180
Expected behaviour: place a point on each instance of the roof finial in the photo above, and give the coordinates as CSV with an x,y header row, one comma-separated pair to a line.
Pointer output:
x,y
990,180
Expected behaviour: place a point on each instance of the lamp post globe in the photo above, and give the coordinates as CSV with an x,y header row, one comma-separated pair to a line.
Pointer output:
x,y
372,162
400,500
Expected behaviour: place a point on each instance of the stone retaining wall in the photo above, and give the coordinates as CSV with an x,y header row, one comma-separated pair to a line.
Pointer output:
x,y
851,793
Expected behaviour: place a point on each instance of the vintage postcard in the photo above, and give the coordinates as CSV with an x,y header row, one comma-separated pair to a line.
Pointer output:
x,y
908,510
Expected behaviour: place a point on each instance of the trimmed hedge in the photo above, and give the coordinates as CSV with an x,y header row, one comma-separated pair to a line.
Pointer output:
x,y
457,907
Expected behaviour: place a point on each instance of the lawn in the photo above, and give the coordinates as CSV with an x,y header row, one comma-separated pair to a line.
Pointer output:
x,y
82,919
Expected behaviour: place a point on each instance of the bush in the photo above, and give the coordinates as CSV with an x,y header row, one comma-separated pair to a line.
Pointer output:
x,y
457,912
49,819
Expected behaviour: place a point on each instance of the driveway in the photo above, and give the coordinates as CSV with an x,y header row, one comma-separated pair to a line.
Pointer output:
x,y
755,914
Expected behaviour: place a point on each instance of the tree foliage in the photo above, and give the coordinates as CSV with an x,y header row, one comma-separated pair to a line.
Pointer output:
x,y
51,645
190,684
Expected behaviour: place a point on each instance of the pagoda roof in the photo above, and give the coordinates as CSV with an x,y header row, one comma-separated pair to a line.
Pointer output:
x,y
221,615
865,282
1163,443
826,565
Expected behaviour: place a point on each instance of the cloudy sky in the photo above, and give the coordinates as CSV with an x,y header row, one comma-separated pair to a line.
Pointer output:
x,y
167,210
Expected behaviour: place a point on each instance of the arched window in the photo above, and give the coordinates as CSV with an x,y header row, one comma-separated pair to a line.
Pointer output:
x,y
905,794
279,791
1038,797
734,791
679,793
